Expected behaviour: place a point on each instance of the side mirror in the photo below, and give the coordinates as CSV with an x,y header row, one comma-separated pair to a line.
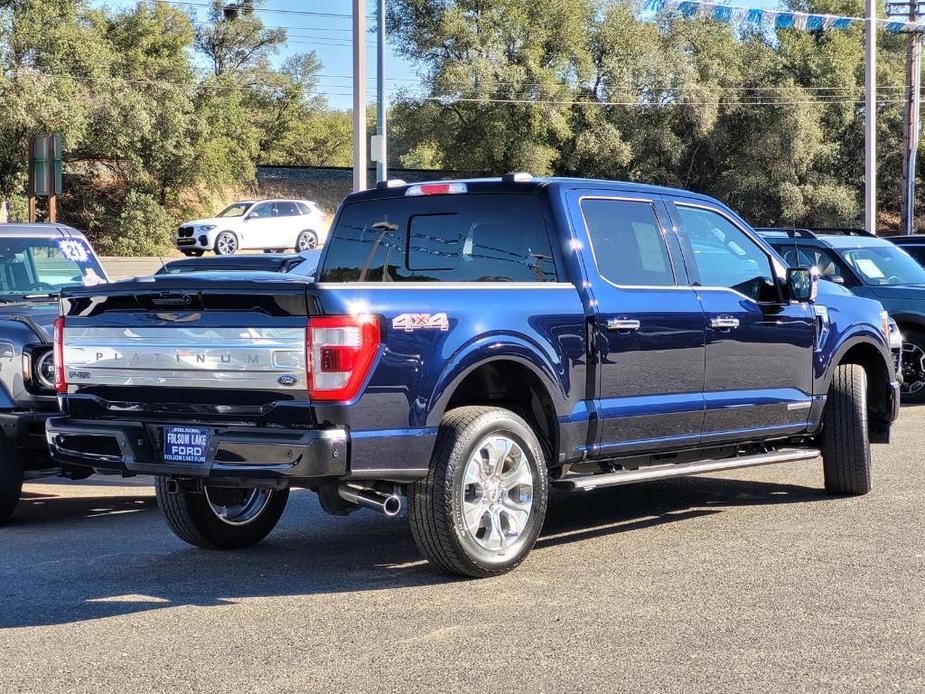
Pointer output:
x,y
802,283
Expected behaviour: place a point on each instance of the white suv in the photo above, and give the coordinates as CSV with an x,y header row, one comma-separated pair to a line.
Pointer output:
x,y
269,225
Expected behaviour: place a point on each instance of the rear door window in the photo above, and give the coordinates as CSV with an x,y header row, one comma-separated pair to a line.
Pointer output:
x,y
448,238
287,209
627,241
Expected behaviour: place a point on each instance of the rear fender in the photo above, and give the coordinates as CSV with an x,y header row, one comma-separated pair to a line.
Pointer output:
x,y
488,349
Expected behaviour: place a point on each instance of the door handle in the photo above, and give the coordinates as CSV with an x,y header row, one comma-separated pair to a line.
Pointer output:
x,y
622,325
724,323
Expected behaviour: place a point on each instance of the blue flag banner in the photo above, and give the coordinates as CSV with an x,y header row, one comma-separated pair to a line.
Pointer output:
x,y
776,19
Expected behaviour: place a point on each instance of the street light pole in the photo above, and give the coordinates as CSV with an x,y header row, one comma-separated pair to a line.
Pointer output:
x,y
870,116
382,167
359,95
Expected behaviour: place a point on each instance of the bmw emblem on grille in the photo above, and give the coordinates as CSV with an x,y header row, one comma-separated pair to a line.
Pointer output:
x,y
287,380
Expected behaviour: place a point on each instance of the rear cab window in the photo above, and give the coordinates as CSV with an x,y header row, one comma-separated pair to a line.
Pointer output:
x,y
480,237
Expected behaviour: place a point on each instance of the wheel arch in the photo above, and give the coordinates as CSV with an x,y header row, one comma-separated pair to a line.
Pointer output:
x,y
868,354
515,377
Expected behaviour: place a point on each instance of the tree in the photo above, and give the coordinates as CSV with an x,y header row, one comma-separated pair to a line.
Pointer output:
x,y
235,42
481,59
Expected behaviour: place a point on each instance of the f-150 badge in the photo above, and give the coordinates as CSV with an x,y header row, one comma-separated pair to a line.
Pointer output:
x,y
421,321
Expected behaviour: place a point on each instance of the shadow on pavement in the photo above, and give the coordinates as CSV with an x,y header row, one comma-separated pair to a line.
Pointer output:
x,y
75,559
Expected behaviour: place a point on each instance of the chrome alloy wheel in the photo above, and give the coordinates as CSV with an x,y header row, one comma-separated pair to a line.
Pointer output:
x,y
497,493
226,243
237,506
913,368
306,241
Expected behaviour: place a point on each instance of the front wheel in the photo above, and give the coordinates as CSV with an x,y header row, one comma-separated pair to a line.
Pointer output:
x,y
480,509
913,385
191,253
220,517
845,443
306,241
226,243
11,477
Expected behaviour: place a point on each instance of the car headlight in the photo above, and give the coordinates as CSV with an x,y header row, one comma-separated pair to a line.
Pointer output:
x,y
44,370
895,336
204,227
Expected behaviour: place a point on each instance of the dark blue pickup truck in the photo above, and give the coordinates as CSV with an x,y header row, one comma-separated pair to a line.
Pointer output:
x,y
465,346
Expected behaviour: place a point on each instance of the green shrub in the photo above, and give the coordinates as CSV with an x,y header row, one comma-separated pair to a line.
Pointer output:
x,y
142,227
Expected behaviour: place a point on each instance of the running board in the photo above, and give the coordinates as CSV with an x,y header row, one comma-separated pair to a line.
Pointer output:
x,y
661,472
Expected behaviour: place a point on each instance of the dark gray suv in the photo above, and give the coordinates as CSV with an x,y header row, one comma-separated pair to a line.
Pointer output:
x,y
37,261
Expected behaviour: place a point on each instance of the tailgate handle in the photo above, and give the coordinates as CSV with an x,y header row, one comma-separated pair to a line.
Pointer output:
x,y
171,299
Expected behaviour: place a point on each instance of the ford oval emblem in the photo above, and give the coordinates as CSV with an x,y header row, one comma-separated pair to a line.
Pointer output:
x,y
287,380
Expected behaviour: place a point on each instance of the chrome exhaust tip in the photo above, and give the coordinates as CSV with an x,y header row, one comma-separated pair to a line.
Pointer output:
x,y
389,504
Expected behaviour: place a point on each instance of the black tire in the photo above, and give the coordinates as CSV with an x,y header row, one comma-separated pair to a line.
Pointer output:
x,y
435,504
191,518
192,254
226,243
913,367
11,477
845,445
306,240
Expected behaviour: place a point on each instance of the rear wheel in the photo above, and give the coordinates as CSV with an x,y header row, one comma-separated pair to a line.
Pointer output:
x,y
480,509
11,477
307,240
845,444
226,243
913,385
220,517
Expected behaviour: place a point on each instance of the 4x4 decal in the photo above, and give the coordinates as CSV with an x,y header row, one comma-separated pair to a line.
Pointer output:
x,y
420,321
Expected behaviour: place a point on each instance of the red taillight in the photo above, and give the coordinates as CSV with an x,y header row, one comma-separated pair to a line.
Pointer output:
x,y
454,188
60,382
340,351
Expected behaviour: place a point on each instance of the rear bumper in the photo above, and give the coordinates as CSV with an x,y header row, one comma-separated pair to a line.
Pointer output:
x,y
235,453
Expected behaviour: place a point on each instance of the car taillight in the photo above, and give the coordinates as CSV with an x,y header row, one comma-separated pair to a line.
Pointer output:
x,y
340,351
455,188
60,382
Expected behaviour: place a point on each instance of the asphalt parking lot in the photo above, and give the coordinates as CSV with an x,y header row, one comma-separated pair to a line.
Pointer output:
x,y
747,581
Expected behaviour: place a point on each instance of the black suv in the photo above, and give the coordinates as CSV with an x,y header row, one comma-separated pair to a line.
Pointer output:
x,y
869,266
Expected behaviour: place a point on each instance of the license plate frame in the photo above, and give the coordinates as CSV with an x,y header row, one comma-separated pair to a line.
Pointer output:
x,y
186,445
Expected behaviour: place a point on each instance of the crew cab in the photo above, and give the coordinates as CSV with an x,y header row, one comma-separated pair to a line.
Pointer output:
x,y
465,346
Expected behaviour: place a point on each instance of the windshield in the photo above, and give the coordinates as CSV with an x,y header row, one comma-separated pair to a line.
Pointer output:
x,y
46,265
884,266
236,210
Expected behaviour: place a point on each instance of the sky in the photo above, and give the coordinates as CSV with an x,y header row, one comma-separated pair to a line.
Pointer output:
x,y
329,36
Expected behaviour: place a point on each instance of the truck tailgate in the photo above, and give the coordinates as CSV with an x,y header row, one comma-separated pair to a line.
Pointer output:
x,y
207,347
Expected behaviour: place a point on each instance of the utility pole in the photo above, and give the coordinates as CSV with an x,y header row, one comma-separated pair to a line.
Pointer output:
x,y
382,165
910,9
870,116
359,95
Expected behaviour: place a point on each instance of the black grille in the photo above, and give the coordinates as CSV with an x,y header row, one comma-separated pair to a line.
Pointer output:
x,y
185,232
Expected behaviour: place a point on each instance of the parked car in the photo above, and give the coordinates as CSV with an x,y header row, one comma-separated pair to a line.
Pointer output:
x,y
913,245
873,267
467,345
36,262
304,264
269,225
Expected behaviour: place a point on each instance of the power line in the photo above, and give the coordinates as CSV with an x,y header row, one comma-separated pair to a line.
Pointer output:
x,y
302,13
449,99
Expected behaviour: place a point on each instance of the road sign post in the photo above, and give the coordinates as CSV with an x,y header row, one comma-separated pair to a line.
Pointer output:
x,y
44,174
